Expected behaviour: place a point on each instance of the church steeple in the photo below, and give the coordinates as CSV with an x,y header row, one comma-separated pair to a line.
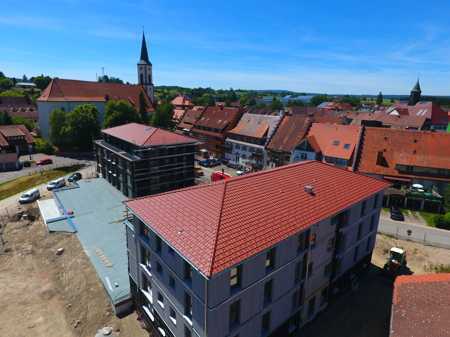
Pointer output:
x,y
144,68
144,53
415,95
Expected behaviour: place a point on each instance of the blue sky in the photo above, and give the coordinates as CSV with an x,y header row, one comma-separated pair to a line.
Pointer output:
x,y
346,46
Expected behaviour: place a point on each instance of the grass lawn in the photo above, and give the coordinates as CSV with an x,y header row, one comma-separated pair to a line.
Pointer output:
x,y
429,217
22,184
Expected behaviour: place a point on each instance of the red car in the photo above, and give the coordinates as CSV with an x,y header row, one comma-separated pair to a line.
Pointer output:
x,y
45,161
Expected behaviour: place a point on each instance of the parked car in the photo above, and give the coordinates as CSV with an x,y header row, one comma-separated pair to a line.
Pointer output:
x,y
74,177
29,196
214,162
204,162
45,161
396,214
26,163
57,183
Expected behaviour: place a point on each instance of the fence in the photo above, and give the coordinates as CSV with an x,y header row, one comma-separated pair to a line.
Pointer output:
x,y
426,235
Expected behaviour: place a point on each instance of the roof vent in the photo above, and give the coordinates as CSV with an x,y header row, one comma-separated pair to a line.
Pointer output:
x,y
309,189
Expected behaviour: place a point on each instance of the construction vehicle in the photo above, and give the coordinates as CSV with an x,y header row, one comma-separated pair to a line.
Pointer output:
x,y
396,261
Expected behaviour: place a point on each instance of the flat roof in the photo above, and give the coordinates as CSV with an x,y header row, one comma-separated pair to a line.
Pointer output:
x,y
98,217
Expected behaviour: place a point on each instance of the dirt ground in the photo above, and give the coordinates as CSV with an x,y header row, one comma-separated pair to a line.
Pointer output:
x,y
366,311
45,295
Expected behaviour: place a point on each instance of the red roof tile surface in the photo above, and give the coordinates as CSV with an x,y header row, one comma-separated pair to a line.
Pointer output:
x,y
20,130
406,147
85,91
218,225
394,121
256,126
144,135
19,107
334,140
215,117
421,306
182,101
430,110
289,133
190,117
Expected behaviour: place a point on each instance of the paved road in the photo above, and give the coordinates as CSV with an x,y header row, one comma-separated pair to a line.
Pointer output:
x,y
417,233
11,205
207,171
57,162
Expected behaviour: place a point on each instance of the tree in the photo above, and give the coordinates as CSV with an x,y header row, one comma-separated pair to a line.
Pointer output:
x,y
296,102
5,83
24,78
5,118
380,98
108,79
447,198
43,146
41,81
13,93
319,99
58,127
162,116
143,106
29,124
120,112
83,127
353,100
276,104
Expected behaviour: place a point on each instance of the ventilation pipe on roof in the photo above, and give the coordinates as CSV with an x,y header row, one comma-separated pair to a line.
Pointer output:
x,y
309,189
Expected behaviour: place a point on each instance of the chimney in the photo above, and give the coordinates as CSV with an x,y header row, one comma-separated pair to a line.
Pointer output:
x,y
309,189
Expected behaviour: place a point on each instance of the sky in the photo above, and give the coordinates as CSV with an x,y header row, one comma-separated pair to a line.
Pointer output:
x,y
334,47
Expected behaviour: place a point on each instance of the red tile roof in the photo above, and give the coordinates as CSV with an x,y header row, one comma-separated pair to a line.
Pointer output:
x,y
190,117
289,133
334,140
85,91
178,114
430,110
256,126
20,130
216,117
19,107
421,306
181,100
407,147
242,216
395,121
144,135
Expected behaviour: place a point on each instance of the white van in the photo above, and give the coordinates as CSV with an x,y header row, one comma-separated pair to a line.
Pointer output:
x,y
29,196
57,183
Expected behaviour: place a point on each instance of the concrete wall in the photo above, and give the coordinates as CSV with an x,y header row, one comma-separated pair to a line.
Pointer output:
x,y
45,109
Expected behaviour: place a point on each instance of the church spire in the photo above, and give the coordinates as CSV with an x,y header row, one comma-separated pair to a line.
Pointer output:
x,y
417,87
144,53
415,95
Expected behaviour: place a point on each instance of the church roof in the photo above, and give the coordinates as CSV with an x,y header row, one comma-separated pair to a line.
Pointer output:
x,y
144,52
417,87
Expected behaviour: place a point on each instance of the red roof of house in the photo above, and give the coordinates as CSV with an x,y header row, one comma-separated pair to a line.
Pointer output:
x,y
182,100
396,121
216,117
144,135
335,140
430,110
85,91
178,114
19,130
289,133
256,126
405,147
216,226
190,117
421,306
19,107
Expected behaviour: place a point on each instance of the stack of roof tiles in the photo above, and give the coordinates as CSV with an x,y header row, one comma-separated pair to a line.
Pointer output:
x,y
242,216
420,306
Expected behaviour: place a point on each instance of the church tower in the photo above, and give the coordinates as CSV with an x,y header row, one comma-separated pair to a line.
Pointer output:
x,y
144,68
416,92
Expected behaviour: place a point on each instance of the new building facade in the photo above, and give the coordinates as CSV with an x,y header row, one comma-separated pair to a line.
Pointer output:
x,y
140,160
220,260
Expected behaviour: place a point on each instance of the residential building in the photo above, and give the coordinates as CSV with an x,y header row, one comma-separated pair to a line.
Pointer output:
x,y
181,104
68,94
334,106
189,118
406,157
251,255
381,119
16,139
420,306
287,136
140,160
247,141
212,127
19,107
331,143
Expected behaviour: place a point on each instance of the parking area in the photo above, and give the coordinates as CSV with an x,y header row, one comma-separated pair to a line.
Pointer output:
x,y
205,178
57,161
